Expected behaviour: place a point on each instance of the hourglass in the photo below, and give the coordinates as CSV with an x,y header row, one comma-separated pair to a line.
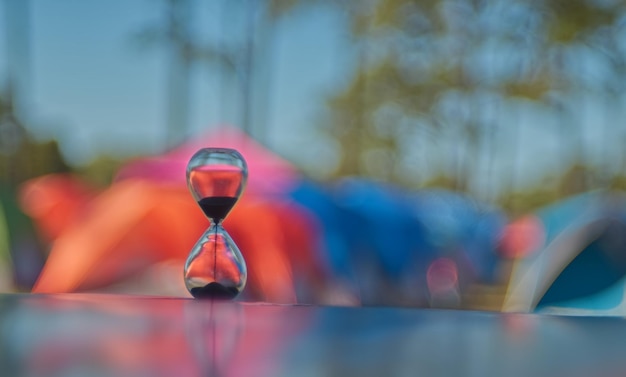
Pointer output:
x,y
215,267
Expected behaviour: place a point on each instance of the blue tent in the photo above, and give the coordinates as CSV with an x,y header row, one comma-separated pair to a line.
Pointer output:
x,y
582,263
378,236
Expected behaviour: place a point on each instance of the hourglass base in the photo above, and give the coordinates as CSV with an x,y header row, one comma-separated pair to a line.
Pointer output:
x,y
214,291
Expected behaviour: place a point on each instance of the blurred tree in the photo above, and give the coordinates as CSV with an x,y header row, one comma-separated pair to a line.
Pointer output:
x,y
233,56
101,171
583,50
22,158
175,33
470,71
434,69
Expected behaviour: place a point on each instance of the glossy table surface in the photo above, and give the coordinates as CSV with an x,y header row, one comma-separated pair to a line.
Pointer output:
x,y
112,335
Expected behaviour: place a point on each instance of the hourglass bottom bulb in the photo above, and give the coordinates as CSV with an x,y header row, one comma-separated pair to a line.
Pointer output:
x,y
214,291
215,268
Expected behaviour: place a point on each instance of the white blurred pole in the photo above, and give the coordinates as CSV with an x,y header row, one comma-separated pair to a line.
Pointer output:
x,y
18,54
179,70
248,68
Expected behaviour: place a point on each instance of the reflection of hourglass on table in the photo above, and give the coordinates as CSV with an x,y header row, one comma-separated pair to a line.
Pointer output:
x,y
215,267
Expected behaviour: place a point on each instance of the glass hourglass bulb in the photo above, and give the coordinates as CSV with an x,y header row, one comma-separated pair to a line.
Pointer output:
x,y
215,267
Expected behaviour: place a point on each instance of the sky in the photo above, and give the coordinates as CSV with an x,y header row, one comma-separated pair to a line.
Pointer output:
x,y
97,91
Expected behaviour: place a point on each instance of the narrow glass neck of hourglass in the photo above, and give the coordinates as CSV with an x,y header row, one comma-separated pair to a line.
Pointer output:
x,y
215,227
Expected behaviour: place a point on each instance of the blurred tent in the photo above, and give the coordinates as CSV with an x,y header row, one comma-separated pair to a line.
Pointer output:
x,y
581,264
268,174
365,235
463,237
136,234
387,244
349,242
54,201
458,223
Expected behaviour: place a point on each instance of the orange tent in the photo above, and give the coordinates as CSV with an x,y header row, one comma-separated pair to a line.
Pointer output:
x,y
135,235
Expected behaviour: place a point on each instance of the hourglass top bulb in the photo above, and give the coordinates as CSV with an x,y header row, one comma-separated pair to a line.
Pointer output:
x,y
216,178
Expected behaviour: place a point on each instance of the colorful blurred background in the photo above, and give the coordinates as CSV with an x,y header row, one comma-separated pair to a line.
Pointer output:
x,y
436,153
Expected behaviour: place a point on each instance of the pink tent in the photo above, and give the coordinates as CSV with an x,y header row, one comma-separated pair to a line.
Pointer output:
x,y
268,174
